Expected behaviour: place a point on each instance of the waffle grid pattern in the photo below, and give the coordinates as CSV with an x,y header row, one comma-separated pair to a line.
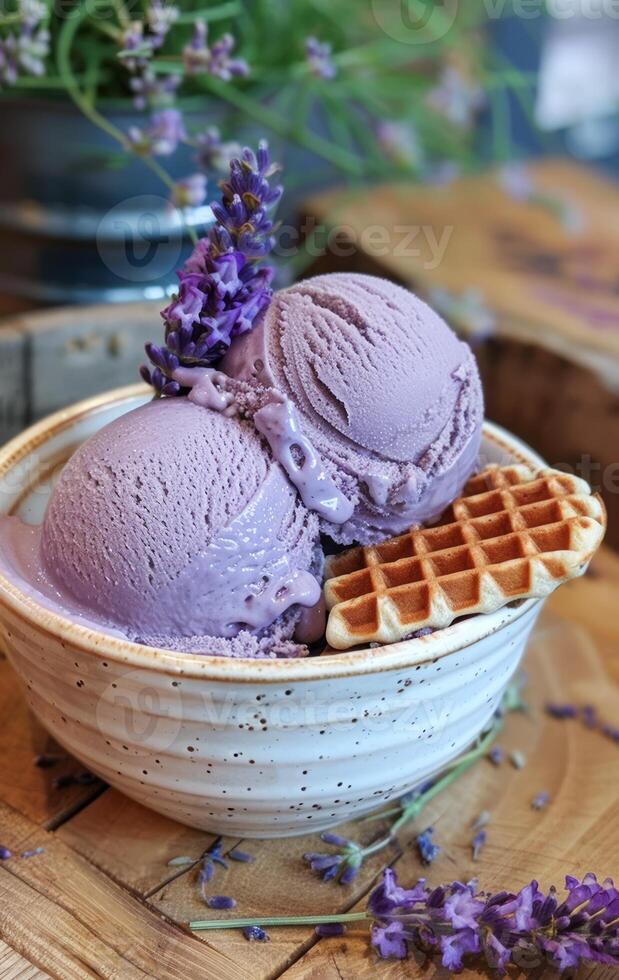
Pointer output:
x,y
512,534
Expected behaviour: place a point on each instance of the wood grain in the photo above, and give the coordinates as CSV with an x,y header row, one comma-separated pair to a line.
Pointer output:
x,y
102,901
15,967
65,915
22,785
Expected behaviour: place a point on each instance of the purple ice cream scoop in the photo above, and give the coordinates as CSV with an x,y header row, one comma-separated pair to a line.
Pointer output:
x,y
384,391
176,526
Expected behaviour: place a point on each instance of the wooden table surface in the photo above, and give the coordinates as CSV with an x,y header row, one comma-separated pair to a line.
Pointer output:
x,y
101,900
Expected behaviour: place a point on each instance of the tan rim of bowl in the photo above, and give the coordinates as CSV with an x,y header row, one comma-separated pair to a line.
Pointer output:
x,y
242,670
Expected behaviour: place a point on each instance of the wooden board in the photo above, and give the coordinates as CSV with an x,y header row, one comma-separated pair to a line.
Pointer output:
x,y
101,900
49,358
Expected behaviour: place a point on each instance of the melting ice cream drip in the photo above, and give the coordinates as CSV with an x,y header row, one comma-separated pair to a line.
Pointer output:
x,y
208,388
278,422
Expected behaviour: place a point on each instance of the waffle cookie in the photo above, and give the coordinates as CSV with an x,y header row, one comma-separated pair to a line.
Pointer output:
x,y
513,534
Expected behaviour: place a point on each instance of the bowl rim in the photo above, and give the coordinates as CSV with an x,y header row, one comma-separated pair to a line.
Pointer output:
x,y
404,654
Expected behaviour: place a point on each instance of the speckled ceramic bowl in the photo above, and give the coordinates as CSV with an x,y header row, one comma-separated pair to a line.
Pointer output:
x,y
255,748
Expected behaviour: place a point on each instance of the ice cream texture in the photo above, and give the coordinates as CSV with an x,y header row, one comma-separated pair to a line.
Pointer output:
x,y
386,395
175,526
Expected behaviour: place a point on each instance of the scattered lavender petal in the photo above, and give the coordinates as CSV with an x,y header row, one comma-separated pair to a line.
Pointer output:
x,y
220,902
428,850
482,820
179,862
85,778
236,855
5,854
254,934
562,710
517,759
479,841
334,839
328,929
496,755
62,782
541,800
32,853
47,760
349,874
589,716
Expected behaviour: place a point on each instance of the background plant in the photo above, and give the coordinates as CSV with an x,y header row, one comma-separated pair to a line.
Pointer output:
x,y
311,73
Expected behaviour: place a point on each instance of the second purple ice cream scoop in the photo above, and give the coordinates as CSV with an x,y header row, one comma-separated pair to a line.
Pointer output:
x,y
386,393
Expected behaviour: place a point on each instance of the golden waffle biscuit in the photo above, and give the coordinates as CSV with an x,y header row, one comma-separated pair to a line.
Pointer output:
x,y
512,534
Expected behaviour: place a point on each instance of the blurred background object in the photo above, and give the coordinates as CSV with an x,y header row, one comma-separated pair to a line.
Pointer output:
x,y
406,131
117,113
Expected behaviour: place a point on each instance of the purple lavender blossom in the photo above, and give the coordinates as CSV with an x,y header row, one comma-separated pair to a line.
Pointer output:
x,y
242,856
541,800
210,858
478,842
136,48
220,902
319,56
345,865
457,97
153,91
456,921
213,153
162,137
5,854
496,755
328,930
199,58
189,192
25,52
160,17
562,710
428,850
254,934
221,292
400,143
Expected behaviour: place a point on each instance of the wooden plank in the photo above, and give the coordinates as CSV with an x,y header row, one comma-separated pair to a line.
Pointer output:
x,y
76,352
16,967
22,785
73,920
130,843
576,833
471,234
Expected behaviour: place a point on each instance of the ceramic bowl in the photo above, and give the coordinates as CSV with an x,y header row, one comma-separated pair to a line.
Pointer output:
x,y
255,748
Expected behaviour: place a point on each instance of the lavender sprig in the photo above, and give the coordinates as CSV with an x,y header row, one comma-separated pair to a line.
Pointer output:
x,y
221,291
527,928
216,60
343,864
